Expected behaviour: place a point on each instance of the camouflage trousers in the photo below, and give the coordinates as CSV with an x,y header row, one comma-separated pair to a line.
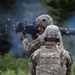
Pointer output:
x,y
32,66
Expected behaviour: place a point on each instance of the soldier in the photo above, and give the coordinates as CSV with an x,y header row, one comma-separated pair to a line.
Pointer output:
x,y
52,59
42,21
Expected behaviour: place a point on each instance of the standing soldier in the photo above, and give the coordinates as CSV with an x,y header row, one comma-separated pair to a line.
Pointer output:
x,y
52,59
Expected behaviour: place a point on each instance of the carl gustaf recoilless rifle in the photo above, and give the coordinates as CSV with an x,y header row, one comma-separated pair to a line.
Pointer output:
x,y
31,29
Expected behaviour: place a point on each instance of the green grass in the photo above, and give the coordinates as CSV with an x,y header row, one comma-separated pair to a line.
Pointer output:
x,y
9,65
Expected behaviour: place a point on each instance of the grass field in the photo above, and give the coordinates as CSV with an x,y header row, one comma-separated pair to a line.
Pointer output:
x,y
9,65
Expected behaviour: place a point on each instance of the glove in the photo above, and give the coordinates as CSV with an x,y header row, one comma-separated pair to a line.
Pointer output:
x,y
21,36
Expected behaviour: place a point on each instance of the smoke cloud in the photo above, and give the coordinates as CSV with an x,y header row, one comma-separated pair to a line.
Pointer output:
x,y
20,10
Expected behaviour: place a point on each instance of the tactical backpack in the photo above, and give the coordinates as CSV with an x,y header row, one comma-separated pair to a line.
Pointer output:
x,y
50,62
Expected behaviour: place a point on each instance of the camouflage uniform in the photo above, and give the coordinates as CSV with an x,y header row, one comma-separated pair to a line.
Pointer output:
x,y
42,55
48,61
68,60
35,44
43,20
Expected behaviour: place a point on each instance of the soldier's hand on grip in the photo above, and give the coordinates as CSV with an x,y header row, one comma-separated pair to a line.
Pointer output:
x,y
21,35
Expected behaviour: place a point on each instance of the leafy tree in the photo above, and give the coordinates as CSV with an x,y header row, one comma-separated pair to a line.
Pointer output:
x,y
60,10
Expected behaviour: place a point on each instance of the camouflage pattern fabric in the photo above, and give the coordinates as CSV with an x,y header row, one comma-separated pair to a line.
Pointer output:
x,y
50,62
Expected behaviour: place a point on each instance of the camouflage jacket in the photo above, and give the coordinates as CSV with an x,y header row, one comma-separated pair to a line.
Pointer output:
x,y
68,62
34,45
37,43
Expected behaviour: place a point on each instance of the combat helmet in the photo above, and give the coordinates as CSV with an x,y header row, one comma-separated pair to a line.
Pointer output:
x,y
52,31
44,20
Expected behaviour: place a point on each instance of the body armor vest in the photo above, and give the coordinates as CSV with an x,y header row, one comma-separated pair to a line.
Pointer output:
x,y
50,62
